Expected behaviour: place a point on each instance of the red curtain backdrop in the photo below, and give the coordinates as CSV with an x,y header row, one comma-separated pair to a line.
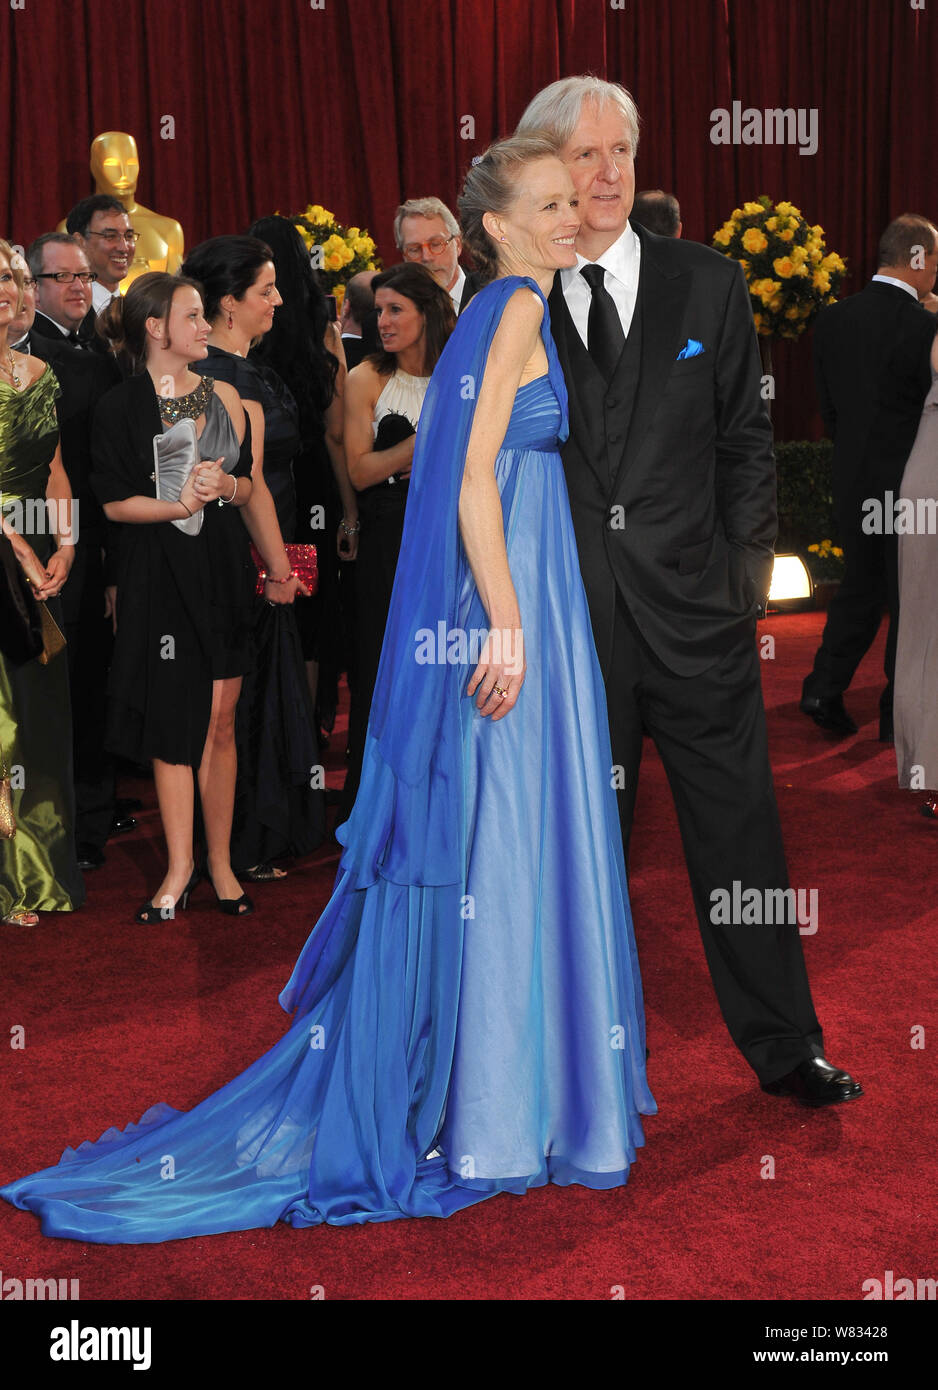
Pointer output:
x,y
356,105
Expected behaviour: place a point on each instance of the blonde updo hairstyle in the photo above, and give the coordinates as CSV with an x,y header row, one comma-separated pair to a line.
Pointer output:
x,y
17,270
492,186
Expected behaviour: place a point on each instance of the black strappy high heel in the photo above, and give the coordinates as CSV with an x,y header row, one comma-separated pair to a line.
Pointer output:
x,y
149,914
235,907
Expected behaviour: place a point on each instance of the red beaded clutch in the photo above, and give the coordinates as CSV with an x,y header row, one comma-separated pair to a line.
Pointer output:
x,y
303,562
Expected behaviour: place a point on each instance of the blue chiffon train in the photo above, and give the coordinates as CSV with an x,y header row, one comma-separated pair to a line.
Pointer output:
x,y
467,1010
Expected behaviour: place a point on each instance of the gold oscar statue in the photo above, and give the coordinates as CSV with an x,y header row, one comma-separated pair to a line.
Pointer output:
x,y
115,166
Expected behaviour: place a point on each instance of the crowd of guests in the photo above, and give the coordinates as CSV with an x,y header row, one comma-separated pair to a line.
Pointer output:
x,y
285,428
195,646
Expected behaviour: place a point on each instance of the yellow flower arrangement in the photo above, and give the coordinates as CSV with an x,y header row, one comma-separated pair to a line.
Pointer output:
x,y
789,271
825,548
336,252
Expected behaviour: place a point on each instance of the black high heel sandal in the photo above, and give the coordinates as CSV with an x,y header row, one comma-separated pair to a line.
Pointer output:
x,y
149,914
232,907
235,907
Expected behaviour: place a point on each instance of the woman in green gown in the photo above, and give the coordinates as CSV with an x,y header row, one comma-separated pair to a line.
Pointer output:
x,y
38,867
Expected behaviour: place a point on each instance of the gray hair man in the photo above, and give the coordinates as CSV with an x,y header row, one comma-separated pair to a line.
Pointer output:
x,y
426,232
671,478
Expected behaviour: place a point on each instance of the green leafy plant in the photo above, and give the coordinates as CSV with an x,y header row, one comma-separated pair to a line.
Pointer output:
x,y
806,507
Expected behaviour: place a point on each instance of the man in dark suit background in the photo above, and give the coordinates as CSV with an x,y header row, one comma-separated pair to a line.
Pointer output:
x,y
426,231
658,212
671,478
358,320
63,289
871,358
84,377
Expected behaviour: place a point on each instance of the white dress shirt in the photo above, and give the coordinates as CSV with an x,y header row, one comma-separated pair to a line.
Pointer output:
x,y
101,297
455,293
899,284
621,262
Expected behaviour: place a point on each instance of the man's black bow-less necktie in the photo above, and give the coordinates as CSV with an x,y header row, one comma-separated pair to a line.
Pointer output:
x,y
604,337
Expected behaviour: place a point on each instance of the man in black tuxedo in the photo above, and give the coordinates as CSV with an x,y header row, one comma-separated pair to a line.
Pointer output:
x,y
671,478
358,320
871,358
63,289
84,377
427,232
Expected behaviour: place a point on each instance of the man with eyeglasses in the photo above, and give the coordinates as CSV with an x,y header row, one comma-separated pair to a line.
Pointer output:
x,y
427,232
56,265
102,228
63,289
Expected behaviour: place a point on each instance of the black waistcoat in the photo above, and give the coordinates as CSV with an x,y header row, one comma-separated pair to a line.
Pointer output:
x,y
607,408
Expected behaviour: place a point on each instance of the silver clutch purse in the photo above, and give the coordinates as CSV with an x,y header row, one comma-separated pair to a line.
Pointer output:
x,y
175,454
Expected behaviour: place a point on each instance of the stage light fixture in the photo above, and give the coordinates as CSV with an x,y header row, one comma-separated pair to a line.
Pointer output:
x,y
792,588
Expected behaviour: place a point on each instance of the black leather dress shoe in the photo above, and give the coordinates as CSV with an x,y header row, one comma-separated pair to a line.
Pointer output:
x,y
89,857
815,1082
122,825
126,805
828,712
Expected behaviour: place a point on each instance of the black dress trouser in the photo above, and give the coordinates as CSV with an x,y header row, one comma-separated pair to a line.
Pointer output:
x,y
869,586
89,638
710,734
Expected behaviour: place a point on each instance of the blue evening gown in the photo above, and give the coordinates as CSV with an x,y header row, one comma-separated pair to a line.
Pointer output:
x,y
467,1010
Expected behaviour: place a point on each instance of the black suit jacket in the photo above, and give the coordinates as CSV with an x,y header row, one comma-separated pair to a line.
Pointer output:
x,y
354,351
88,338
83,379
670,469
872,372
474,283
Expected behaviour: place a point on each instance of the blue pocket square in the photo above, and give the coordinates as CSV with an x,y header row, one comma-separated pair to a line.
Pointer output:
x,y
690,349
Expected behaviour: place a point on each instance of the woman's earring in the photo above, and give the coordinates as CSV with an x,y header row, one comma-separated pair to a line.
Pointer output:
x,y
230,320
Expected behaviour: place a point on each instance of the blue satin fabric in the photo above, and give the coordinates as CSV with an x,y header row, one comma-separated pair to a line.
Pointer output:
x,y
468,1013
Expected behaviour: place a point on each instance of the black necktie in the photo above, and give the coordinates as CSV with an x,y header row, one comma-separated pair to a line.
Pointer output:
x,y
74,339
605,339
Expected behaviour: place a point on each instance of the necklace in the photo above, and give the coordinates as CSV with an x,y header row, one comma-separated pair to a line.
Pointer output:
x,y
173,408
11,371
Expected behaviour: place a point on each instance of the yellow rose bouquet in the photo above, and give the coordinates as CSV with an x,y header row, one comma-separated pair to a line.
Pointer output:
x,y
337,252
789,271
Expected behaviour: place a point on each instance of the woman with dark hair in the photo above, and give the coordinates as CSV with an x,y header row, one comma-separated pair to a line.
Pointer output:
x,y
279,804
184,573
382,407
305,349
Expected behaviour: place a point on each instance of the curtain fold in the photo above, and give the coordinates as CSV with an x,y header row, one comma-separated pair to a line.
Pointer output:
x,y
275,103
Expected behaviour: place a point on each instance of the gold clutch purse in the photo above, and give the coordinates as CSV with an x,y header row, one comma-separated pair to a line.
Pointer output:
x,y
7,818
53,639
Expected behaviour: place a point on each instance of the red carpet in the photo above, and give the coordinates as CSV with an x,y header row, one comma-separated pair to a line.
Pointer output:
x,y
117,1017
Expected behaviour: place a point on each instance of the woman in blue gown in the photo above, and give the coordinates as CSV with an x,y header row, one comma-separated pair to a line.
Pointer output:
x,y
467,1011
